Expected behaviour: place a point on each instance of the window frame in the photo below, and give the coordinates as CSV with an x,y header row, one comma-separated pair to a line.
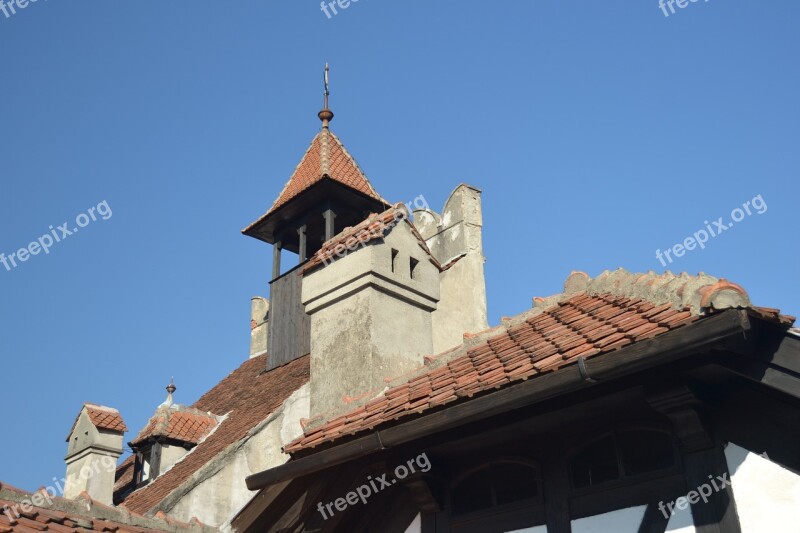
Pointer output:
x,y
528,512
624,480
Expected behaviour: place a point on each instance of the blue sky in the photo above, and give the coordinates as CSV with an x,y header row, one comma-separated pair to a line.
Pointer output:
x,y
599,132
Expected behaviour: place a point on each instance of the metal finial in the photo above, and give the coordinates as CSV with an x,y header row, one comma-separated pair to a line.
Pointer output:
x,y
327,91
326,115
171,388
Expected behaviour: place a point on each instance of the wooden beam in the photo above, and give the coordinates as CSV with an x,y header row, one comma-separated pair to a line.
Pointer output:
x,y
276,259
555,477
155,460
256,507
767,374
718,514
303,246
330,231
680,405
653,520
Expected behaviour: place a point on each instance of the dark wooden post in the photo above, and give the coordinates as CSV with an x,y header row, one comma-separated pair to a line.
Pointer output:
x,y
302,249
703,459
556,489
329,226
155,460
276,259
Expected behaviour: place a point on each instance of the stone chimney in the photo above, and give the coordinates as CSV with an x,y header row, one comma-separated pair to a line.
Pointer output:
x,y
259,326
94,446
370,313
455,239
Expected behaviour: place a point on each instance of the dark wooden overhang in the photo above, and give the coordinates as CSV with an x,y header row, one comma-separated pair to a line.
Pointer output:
x,y
729,347
351,207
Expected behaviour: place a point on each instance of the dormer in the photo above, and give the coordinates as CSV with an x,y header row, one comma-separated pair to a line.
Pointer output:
x,y
169,435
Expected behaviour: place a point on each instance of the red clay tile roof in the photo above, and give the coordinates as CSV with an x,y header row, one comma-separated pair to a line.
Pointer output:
x,y
123,478
375,226
102,417
325,158
179,423
247,397
18,515
590,319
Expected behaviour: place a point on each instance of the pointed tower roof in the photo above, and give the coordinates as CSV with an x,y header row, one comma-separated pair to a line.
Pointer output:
x,y
326,173
325,158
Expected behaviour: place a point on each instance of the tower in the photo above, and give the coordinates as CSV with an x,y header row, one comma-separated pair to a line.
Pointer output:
x,y
326,193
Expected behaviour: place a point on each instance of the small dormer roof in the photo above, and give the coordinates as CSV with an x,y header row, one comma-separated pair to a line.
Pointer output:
x,y
101,417
177,422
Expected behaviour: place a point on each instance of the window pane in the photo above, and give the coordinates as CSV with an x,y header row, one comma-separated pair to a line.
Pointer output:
x,y
595,464
474,493
514,482
645,451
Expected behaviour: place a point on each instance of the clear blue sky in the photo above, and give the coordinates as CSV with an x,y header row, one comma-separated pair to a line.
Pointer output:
x,y
598,132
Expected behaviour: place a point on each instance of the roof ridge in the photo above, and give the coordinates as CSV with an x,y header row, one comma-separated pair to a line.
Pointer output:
x,y
101,407
240,394
364,232
637,307
291,176
701,293
121,427
356,165
159,423
335,164
86,509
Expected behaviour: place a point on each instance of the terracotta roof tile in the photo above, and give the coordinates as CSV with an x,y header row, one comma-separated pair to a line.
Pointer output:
x,y
326,157
102,417
179,423
241,397
375,226
599,316
18,515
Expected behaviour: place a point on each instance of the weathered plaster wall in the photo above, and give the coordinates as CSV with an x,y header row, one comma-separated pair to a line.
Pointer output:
x,y
259,325
370,318
91,459
216,493
457,231
170,455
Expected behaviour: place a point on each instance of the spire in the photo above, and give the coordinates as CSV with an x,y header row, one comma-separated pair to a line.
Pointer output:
x,y
327,175
326,115
171,388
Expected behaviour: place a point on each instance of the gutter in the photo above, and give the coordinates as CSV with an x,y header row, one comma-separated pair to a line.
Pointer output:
x,y
671,346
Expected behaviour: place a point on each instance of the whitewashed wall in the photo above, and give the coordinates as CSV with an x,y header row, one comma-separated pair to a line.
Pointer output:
x,y
767,495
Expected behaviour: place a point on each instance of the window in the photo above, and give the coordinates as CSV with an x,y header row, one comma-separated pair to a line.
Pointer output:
x,y
412,267
148,463
498,483
621,455
394,259
146,466
595,464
